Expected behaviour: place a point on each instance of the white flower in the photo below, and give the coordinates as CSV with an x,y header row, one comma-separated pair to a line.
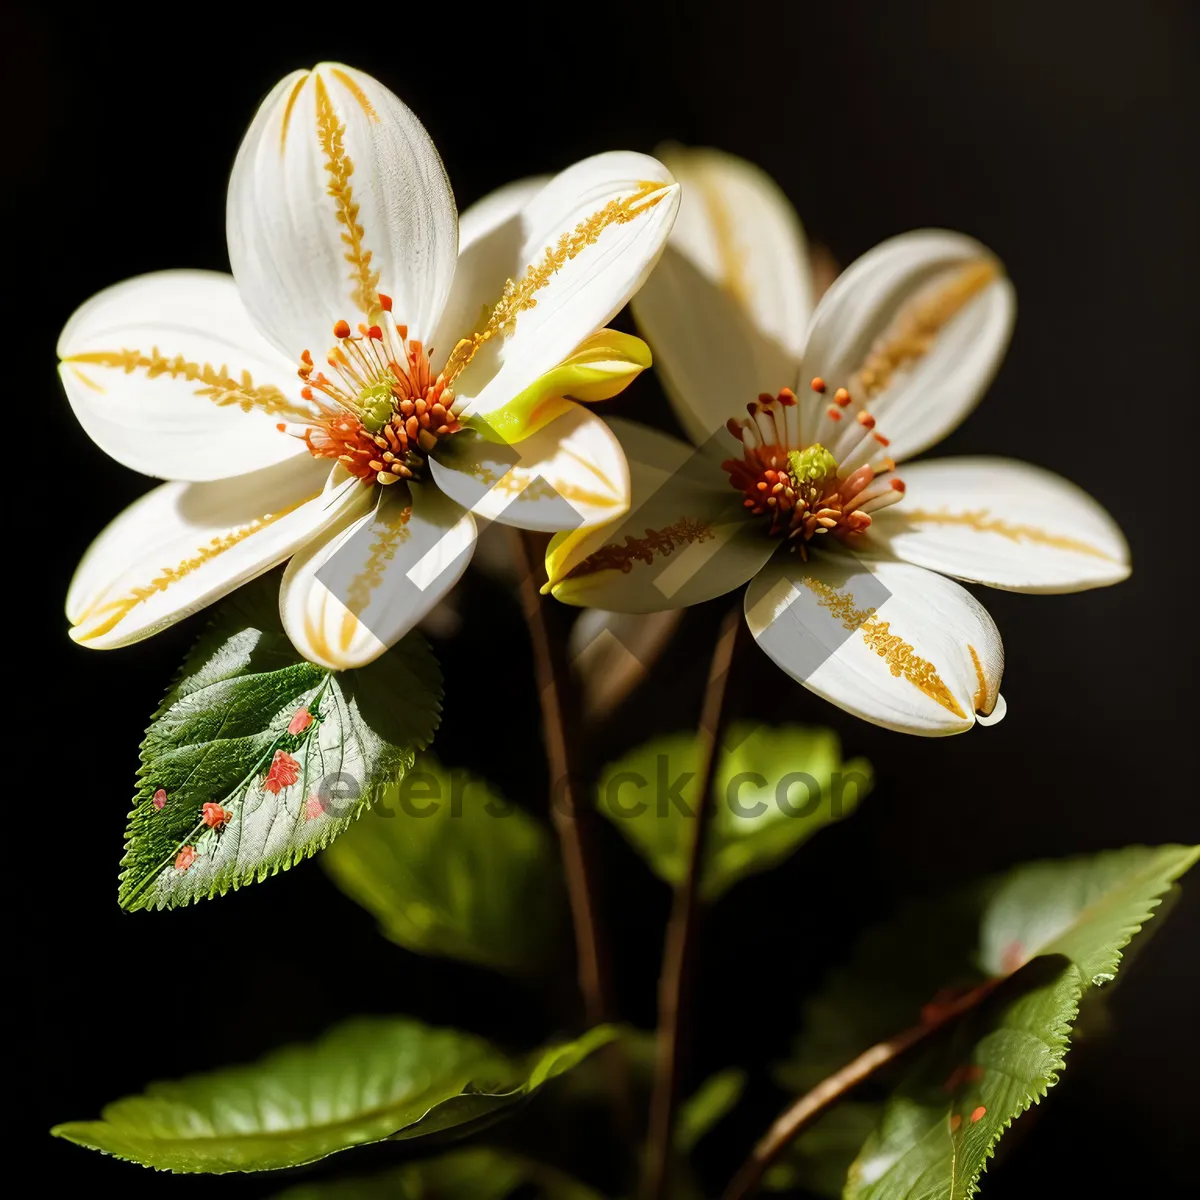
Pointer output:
x,y
839,547
372,374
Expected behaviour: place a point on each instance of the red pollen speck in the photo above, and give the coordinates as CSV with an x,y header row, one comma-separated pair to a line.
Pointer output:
x,y
881,439
313,807
187,856
341,330
833,414
898,485
301,720
214,816
978,1114
818,385
285,770
281,427
385,302
955,1122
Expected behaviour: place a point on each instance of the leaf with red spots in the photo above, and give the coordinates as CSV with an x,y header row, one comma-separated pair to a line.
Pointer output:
x,y
1051,932
230,771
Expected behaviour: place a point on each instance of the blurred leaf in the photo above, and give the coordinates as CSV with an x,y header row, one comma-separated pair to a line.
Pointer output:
x,y
448,868
1065,921
775,787
706,1106
367,1080
475,1173
220,737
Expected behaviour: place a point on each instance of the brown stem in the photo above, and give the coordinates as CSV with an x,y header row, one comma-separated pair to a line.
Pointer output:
x,y
678,949
570,815
796,1116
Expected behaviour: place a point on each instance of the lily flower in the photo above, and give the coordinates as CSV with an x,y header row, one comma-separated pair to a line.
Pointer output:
x,y
374,374
798,481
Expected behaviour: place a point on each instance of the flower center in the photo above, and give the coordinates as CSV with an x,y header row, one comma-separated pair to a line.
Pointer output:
x,y
791,479
381,411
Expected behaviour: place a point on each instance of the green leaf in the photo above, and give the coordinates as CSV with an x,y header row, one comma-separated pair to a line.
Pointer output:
x,y
706,1106
449,868
223,725
1059,926
1087,909
365,1081
939,1129
774,788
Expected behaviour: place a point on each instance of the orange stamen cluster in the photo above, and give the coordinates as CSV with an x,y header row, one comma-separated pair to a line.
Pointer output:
x,y
382,410
801,491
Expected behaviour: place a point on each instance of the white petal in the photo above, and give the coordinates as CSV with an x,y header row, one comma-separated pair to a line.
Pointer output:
x,y
591,236
1003,523
168,375
353,593
727,307
894,644
914,330
183,546
569,473
491,236
686,538
337,195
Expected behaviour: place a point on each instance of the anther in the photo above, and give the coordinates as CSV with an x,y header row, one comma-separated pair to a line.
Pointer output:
x,y
385,302
341,330
841,397
818,385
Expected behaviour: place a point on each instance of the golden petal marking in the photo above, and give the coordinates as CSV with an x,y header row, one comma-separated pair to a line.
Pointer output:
x,y
656,543
287,110
340,168
119,609
215,382
981,694
901,658
391,534
729,253
982,522
352,86
918,324
520,295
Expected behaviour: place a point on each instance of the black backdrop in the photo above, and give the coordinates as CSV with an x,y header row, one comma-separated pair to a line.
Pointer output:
x,y
1057,133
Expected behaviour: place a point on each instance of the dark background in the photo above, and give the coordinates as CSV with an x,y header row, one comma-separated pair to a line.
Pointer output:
x,y
1056,133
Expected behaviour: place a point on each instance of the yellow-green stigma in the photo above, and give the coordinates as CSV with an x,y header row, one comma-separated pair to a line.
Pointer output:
x,y
376,405
811,466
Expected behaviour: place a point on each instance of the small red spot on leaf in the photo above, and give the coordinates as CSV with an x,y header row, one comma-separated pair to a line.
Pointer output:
x,y
186,857
301,720
160,798
1012,958
285,770
313,807
978,1114
214,816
